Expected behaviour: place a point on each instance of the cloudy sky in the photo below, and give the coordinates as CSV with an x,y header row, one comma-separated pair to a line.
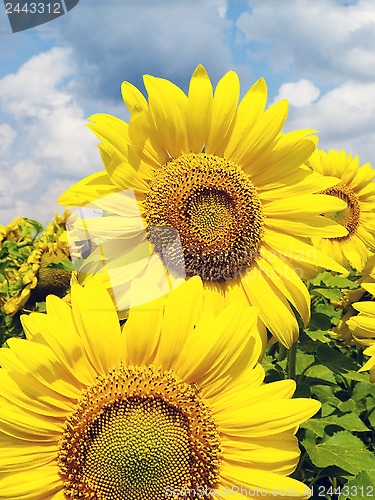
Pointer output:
x,y
319,54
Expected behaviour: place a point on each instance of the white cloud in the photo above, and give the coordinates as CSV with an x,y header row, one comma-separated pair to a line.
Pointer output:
x,y
323,38
345,118
299,94
7,137
328,49
125,40
100,48
52,145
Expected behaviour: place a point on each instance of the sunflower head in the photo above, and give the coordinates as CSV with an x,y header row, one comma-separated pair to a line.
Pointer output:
x,y
172,402
357,189
220,175
167,437
28,260
19,230
217,213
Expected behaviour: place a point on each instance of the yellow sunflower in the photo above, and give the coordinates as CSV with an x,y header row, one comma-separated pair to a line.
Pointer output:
x,y
223,176
342,329
362,327
19,230
357,189
174,401
26,271
370,364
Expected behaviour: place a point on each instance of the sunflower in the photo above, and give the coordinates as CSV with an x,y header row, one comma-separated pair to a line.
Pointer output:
x,y
27,274
174,401
362,327
228,181
349,297
357,189
19,230
370,364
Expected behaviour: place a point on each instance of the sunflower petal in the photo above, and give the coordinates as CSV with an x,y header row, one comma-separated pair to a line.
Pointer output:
x,y
88,189
223,110
98,324
34,484
267,417
180,316
250,479
199,109
274,309
248,111
168,106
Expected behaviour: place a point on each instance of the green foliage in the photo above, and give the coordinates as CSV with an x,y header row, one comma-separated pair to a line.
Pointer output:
x,y
15,249
10,327
359,487
342,449
338,444
65,265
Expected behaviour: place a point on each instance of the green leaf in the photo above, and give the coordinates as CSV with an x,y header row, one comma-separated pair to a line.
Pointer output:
x,y
326,395
317,281
37,225
321,372
11,247
346,406
335,360
360,377
327,409
303,361
66,265
318,335
329,280
362,390
343,450
41,307
315,425
339,282
363,397
360,487
319,321
371,418
302,391
328,293
348,421
328,309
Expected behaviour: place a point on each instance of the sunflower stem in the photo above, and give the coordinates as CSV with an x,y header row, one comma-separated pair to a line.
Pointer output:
x,y
292,355
360,357
298,474
282,353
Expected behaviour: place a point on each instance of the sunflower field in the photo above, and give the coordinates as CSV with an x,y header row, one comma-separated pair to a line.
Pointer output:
x,y
200,320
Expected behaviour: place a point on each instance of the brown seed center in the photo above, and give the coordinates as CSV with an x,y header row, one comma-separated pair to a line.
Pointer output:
x,y
349,217
215,209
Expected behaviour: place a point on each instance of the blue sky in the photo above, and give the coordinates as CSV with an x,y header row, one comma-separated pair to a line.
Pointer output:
x,y
319,54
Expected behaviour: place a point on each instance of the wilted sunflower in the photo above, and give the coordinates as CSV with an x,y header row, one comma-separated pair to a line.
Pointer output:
x,y
26,265
231,185
174,401
357,189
